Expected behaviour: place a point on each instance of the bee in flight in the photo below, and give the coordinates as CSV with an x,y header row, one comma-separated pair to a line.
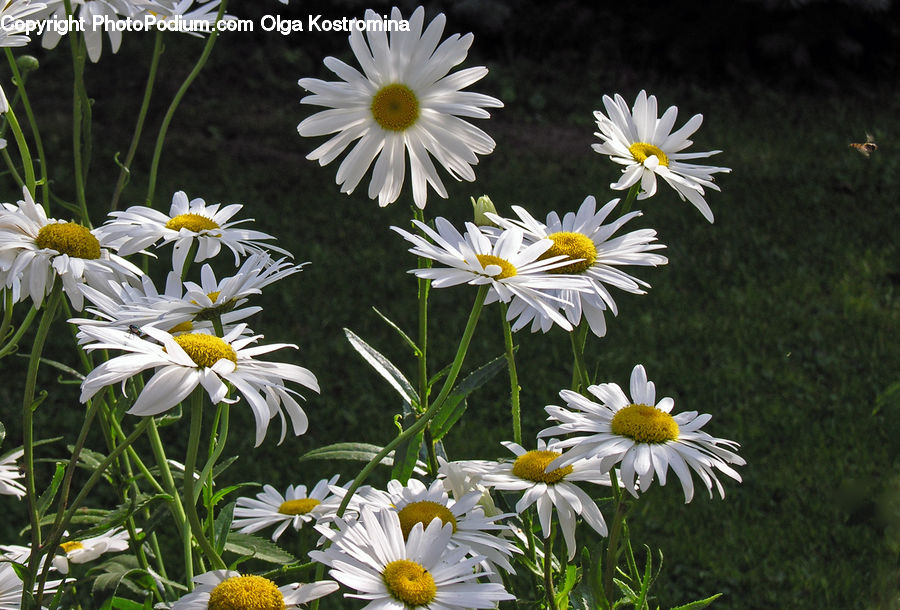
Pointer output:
x,y
867,147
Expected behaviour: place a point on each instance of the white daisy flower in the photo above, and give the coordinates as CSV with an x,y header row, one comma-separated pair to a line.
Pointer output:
x,y
648,148
185,361
11,14
139,227
472,529
34,250
293,509
583,236
9,475
186,307
372,557
509,267
553,489
230,589
643,435
11,588
85,11
75,551
462,479
403,101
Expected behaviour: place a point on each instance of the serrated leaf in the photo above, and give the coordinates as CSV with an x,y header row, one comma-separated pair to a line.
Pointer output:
x,y
386,369
223,526
254,547
444,419
571,579
700,603
172,416
46,498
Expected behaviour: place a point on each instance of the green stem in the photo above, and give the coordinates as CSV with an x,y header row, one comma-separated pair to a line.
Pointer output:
x,y
435,406
167,119
580,378
513,376
81,119
125,168
25,325
28,407
26,104
190,498
175,506
633,192
12,168
548,568
609,570
23,150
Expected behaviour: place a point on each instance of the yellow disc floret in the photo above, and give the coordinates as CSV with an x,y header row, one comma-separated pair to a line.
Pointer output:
x,y
298,507
644,424
246,593
395,107
575,246
192,222
641,151
182,327
424,512
507,269
410,583
69,238
72,545
205,350
531,467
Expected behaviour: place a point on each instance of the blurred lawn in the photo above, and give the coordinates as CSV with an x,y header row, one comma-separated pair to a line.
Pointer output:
x,y
780,319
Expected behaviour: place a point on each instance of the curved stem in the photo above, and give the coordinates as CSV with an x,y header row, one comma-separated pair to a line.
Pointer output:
x,y
23,150
14,341
125,168
513,376
28,407
39,144
548,568
190,501
633,192
167,119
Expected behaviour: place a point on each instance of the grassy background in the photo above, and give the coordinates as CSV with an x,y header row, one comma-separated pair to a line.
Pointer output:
x,y
780,319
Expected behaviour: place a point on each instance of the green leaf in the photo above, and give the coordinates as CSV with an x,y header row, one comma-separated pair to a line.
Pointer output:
x,y
386,369
889,397
257,548
172,416
219,495
223,526
121,570
363,452
400,332
454,406
700,603
46,498
58,365
571,579
407,453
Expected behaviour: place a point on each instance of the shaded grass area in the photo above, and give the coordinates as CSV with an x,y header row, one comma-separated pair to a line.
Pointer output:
x,y
780,319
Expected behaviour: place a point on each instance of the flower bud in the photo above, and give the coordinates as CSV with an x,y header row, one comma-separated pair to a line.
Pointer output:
x,y
482,205
27,63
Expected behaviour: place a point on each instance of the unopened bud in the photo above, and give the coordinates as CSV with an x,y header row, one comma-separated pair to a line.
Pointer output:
x,y
27,63
481,206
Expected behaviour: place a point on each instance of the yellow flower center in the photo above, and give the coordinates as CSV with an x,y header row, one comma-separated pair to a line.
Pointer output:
x,y
641,151
182,327
395,107
573,245
531,467
191,222
205,350
507,269
298,507
424,512
645,424
69,238
70,546
410,583
246,593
